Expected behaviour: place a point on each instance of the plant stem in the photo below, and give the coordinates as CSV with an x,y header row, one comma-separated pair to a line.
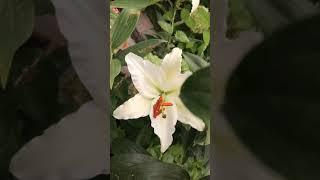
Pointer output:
x,y
172,26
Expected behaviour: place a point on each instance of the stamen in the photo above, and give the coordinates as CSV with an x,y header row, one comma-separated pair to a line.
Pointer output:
x,y
159,107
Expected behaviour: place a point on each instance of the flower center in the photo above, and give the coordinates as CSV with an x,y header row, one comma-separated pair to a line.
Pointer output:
x,y
159,107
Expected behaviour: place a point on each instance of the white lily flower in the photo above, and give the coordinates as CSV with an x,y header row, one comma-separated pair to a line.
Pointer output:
x,y
195,4
159,88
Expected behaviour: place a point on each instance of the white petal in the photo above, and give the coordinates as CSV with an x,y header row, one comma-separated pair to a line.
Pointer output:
x,y
171,63
146,77
135,107
195,4
164,127
75,148
174,84
187,117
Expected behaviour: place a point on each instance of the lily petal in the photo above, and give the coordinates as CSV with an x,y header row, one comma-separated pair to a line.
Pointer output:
x,y
135,107
187,117
175,83
146,77
171,63
195,4
164,127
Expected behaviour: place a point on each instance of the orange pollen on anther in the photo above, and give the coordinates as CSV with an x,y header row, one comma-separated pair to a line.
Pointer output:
x,y
158,106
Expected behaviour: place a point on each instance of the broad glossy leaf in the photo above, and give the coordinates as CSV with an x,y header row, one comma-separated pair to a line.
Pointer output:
x,y
196,93
125,146
143,167
123,27
17,18
141,49
194,62
115,68
273,100
130,4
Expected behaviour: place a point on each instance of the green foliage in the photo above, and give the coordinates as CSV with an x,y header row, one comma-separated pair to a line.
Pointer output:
x,y
17,18
194,62
198,21
129,4
196,93
123,26
140,166
135,147
115,68
141,49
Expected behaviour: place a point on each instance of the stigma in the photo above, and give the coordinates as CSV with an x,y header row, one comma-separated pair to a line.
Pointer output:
x,y
159,107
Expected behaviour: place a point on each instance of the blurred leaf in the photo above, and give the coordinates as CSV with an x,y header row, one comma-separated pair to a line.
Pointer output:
x,y
123,27
273,14
143,167
239,18
17,18
194,62
273,100
115,68
125,146
166,26
43,7
130,4
141,49
196,93
181,37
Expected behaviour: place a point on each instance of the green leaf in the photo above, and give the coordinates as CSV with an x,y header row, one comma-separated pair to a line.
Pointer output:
x,y
125,146
198,21
181,37
153,58
166,26
174,154
194,62
169,15
123,27
17,19
143,167
115,68
130,4
206,37
196,93
141,49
